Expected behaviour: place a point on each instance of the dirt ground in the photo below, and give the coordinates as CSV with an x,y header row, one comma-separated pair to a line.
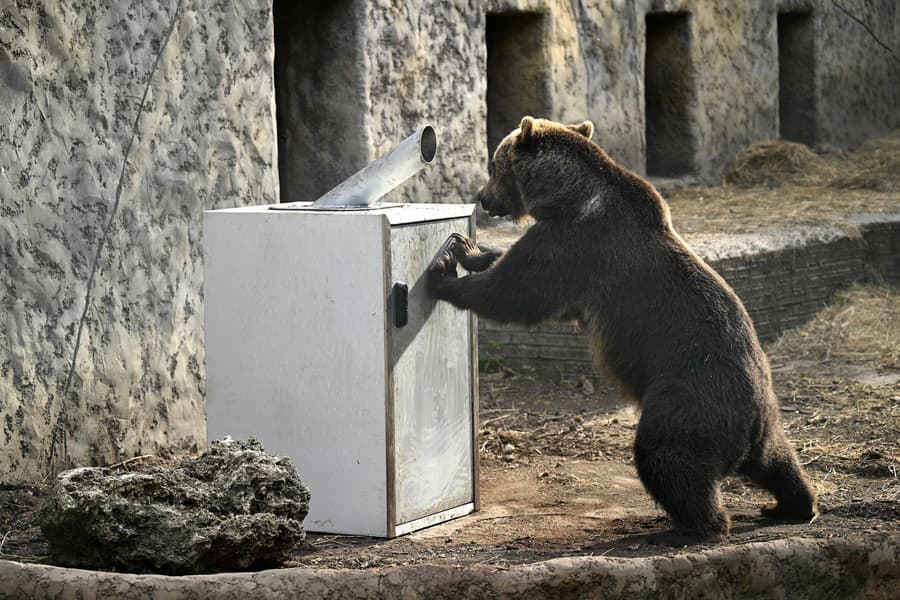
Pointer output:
x,y
556,466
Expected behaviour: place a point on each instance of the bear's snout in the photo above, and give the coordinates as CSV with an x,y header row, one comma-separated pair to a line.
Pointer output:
x,y
482,199
489,204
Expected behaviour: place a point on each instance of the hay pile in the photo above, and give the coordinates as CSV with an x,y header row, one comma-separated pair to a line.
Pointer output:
x,y
861,326
875,166
776,163
846,428
783,184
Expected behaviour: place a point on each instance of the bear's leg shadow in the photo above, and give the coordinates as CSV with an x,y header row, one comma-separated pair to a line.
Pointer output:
x,y
777,469
682,479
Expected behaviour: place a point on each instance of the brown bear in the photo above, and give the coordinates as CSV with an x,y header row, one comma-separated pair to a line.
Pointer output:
x,y
661,322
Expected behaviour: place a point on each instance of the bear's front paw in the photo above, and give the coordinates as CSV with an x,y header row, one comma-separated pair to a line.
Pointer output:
x,y
462,246
442,267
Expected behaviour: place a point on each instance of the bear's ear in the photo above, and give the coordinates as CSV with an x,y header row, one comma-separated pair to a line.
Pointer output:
x,y
527,127
586,129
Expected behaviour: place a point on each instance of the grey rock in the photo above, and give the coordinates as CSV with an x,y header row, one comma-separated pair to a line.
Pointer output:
x,y
233,508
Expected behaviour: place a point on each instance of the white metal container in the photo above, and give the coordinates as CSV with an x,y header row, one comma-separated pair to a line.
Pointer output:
x,y
306,351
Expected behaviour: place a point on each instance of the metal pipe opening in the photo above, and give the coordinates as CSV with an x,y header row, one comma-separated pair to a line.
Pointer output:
x,y
428,143
384,174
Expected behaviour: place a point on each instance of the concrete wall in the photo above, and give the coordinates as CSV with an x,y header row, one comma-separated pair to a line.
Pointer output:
x,y
858,80
71,81
428,61
865,567
425,64
320,95
598,49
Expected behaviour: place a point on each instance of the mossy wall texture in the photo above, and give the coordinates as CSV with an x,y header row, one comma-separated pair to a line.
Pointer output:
x,y
72,76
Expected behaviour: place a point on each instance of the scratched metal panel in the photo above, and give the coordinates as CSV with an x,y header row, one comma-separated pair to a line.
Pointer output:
x,y
432,361
295,351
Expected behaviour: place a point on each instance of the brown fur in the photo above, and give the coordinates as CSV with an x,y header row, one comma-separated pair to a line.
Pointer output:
x,y
661,321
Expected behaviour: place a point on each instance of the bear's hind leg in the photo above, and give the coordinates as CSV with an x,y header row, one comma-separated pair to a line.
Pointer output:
x,y
777,469
687,487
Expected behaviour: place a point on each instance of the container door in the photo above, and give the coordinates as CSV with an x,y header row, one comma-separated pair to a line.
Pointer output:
x,y
432,382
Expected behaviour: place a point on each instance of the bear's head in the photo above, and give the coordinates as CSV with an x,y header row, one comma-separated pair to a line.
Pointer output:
x,y
541,169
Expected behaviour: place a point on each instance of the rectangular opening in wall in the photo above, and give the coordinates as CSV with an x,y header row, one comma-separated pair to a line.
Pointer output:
x,y
319,95
669,96
796,88
518,82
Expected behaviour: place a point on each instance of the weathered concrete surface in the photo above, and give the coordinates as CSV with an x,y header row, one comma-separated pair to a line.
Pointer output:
x,y
425,63
320,95
429,61
735,46
71,80
798,568
235,507
714,247
857,79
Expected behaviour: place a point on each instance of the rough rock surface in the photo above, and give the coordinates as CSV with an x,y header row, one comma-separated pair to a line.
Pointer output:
x,y
795,568
71,82
233,508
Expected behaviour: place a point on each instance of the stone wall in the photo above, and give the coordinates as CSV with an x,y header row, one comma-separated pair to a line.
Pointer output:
x,y
71,82
597,61
425,64
857,79
595,53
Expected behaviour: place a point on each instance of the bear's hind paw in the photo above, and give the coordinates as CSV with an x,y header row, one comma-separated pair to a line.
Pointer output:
x,y
799,515
678,538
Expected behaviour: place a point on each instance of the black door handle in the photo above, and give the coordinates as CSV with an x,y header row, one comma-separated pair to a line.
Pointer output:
x,y
401,304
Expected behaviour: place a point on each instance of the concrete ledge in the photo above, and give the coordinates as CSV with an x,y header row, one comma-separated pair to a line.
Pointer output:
x,y
796,568
784,276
